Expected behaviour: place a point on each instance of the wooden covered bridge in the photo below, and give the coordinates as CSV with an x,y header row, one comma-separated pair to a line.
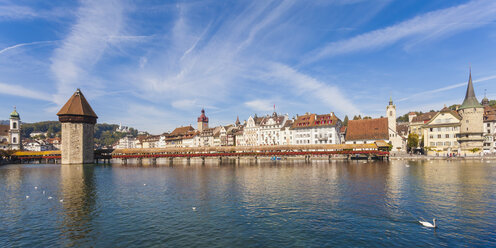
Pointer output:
x,y
376,150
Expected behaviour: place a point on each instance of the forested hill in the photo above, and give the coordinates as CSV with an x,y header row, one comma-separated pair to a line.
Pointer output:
x,y
105,134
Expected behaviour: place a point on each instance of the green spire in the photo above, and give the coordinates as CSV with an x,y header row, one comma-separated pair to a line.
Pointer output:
x,y
14,113
470,99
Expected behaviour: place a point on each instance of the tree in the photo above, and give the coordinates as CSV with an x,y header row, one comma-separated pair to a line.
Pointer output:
x,y
413,141
367,117
403,118
345,122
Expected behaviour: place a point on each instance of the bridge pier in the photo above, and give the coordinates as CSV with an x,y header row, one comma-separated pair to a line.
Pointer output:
x,y
171,160
220,159
139,161
124,161
153,161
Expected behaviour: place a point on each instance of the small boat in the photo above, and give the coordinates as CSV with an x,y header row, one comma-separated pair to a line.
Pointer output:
x,y
275,158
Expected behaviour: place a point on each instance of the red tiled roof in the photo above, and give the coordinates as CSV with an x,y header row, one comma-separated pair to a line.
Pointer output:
x,y
369,129
182,130
424,117
489,114
313,120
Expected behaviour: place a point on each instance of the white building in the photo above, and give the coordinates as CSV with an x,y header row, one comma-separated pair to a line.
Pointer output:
x,y
269,131
316,129
126,143
286,134
489,127
251,130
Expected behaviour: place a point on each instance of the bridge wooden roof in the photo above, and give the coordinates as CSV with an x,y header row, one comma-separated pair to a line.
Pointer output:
x,y
77,105
245,148
33,153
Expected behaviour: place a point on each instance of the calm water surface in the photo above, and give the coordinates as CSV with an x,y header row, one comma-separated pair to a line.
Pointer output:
x,y
316,204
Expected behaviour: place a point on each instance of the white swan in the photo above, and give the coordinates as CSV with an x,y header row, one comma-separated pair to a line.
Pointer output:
x,y
427,224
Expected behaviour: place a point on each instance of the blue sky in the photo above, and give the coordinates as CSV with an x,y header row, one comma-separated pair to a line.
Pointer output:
x,y
154,64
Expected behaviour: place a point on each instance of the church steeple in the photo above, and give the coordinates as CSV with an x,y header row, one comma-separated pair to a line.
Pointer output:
x,y
470,99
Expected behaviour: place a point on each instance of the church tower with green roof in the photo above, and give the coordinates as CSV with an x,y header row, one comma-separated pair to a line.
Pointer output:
x,y
15,131
471,128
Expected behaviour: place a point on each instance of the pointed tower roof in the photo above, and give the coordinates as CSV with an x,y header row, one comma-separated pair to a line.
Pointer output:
x,y
237,121
77,109
470,99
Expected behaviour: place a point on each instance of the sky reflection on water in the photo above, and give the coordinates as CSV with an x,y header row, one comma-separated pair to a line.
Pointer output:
x,y
249,205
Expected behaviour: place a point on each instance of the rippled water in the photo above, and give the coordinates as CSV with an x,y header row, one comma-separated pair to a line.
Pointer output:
x,y
249,205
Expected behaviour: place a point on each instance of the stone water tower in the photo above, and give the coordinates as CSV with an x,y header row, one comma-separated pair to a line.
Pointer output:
x,y
78,124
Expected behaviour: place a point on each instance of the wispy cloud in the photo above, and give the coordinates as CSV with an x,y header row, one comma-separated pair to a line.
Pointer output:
x,y
446,88
429,26
16,90
97,24
10,12
25,44
260,105
306,86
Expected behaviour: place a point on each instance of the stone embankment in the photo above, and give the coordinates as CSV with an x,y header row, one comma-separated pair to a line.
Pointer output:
x,y
425,157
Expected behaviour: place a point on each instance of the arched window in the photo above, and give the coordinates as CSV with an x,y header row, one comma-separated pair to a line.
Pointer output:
x,y
14,125
14,140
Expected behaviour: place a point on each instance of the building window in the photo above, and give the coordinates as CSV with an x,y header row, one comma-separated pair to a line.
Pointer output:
x,y
14,125
432,129
433,144
431,136
439,136
447,136
14,140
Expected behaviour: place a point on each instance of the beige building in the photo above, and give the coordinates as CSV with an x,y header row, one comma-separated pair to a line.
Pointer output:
x,y
441,133
416,122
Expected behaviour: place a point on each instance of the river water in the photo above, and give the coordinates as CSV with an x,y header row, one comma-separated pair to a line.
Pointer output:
x,y
283,204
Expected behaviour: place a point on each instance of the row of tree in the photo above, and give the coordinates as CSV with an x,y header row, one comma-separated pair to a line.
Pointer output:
x,y
105,134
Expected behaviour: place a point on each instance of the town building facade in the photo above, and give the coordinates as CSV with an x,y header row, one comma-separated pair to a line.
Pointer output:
x,y
316,129
441,133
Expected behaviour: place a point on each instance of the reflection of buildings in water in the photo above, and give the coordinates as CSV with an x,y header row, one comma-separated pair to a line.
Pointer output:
x,y
12,179
396,181
476,187
448,185
78,194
